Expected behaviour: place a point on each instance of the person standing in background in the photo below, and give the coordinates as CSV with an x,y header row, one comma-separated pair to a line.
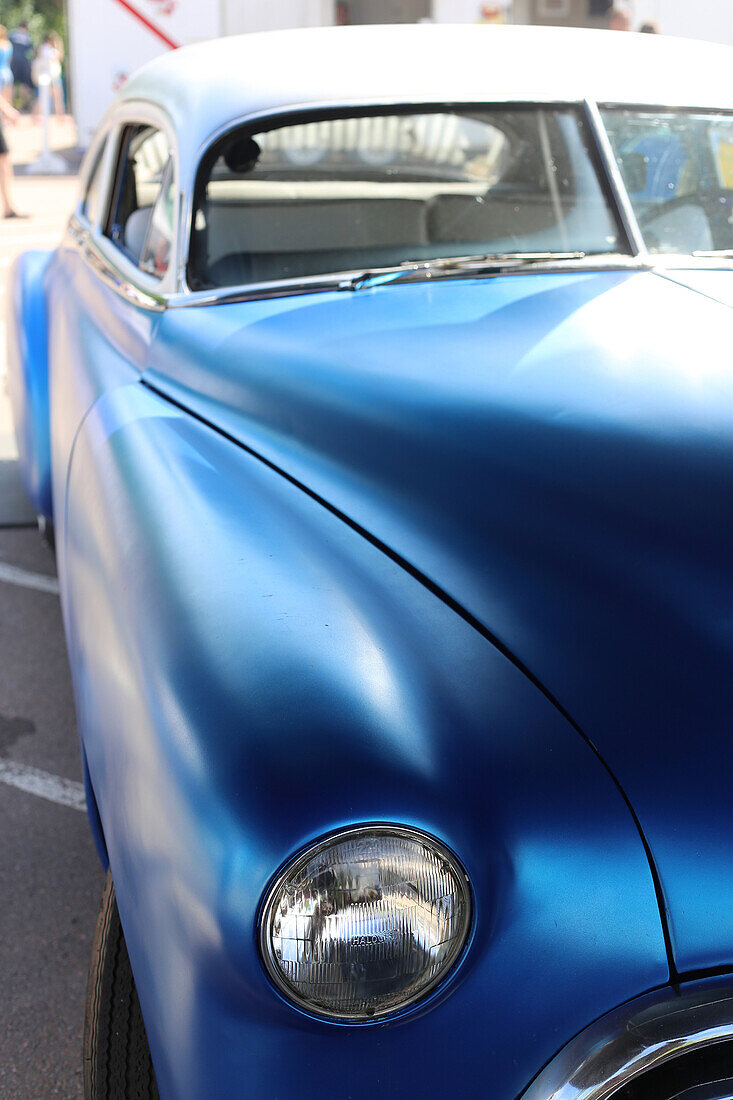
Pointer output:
x,y
6,73
7,111
59,91
48,65
20,62
343,15
619,18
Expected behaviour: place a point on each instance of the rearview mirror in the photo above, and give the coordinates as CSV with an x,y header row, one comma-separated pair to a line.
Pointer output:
x,y
242,155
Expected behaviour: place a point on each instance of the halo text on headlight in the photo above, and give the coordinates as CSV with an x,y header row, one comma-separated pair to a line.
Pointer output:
x,y
365,923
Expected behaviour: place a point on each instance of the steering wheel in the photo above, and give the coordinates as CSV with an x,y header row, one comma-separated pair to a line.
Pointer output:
x,y
693,198
694,232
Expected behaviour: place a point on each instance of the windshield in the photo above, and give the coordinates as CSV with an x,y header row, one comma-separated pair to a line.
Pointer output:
x,y
678,170
383,189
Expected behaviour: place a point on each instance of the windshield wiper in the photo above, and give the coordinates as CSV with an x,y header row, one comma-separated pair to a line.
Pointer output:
x,y
419,270
714,253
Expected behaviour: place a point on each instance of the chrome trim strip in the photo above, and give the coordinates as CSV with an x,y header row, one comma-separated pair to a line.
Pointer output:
x,y
675,261
341,280
613,175
76,228
111,275
252,292
637,1037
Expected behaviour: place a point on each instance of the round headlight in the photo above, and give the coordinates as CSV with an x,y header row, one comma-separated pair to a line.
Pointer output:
x,y
365,923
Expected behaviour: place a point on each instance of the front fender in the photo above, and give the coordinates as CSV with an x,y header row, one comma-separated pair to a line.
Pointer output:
x,y
27,347
250,673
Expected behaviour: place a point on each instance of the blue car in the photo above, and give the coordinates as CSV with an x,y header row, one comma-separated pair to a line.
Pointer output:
x,y
380,398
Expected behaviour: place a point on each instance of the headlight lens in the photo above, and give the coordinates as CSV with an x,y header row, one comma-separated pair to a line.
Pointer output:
x,y
365,923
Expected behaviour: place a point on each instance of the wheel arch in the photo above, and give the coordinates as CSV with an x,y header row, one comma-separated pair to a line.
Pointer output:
x,y
250,673
95,821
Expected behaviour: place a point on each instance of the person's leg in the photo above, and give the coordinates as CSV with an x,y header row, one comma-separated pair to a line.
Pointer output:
x,y
58,98
6,175
5,184
8,92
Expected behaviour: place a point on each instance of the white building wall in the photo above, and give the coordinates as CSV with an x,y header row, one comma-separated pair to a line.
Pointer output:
x,y
242,16
708,19
455,11
521,11
107,43
466,11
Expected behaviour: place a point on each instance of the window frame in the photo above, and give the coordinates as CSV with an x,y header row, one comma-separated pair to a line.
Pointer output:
x,y
259,121
106,254
173,291
676,260
166,183
97,160
126,134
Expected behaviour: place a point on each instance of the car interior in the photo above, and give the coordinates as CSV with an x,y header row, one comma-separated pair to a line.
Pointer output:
x,y
314,203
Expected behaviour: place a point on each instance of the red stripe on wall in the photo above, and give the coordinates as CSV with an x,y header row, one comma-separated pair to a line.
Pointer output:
x,y
147,23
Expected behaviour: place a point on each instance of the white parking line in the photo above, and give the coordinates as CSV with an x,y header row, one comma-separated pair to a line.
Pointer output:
x,y
23,578
66,792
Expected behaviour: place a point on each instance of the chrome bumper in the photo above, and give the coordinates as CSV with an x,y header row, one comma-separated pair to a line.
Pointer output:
x,y
638,1037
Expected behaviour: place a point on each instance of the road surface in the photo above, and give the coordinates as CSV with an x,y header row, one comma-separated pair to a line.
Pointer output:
x,y
50,877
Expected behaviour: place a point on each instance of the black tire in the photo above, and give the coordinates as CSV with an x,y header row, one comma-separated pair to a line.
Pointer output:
x,y
117,1063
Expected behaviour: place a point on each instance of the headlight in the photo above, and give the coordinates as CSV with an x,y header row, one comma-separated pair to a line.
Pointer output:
x,y
365,923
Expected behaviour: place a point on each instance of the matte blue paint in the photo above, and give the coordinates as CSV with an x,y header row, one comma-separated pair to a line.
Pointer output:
x,y
93,812
715,284
556,452
28,376
250,672
98,342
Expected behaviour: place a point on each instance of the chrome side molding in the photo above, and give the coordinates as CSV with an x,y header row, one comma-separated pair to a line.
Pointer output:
x,y
637,1037
80,236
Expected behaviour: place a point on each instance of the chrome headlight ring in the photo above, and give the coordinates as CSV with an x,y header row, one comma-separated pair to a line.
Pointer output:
x,y
365,923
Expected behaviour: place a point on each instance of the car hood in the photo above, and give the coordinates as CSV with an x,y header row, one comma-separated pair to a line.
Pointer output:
x,y
715,284
556,453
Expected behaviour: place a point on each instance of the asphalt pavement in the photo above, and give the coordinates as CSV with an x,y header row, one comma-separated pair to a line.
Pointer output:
x,y
50,876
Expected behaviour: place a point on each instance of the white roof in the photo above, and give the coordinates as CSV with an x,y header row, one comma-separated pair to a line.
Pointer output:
x,y
206,86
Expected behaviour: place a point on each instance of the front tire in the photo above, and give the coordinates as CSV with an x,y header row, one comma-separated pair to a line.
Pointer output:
x,y
117,1062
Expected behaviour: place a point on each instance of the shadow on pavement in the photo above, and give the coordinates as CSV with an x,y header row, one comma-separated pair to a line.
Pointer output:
x,y
72,155
15,509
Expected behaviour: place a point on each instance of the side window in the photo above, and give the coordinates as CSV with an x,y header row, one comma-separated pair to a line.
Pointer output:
x,y
90,205
156,250
140,219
